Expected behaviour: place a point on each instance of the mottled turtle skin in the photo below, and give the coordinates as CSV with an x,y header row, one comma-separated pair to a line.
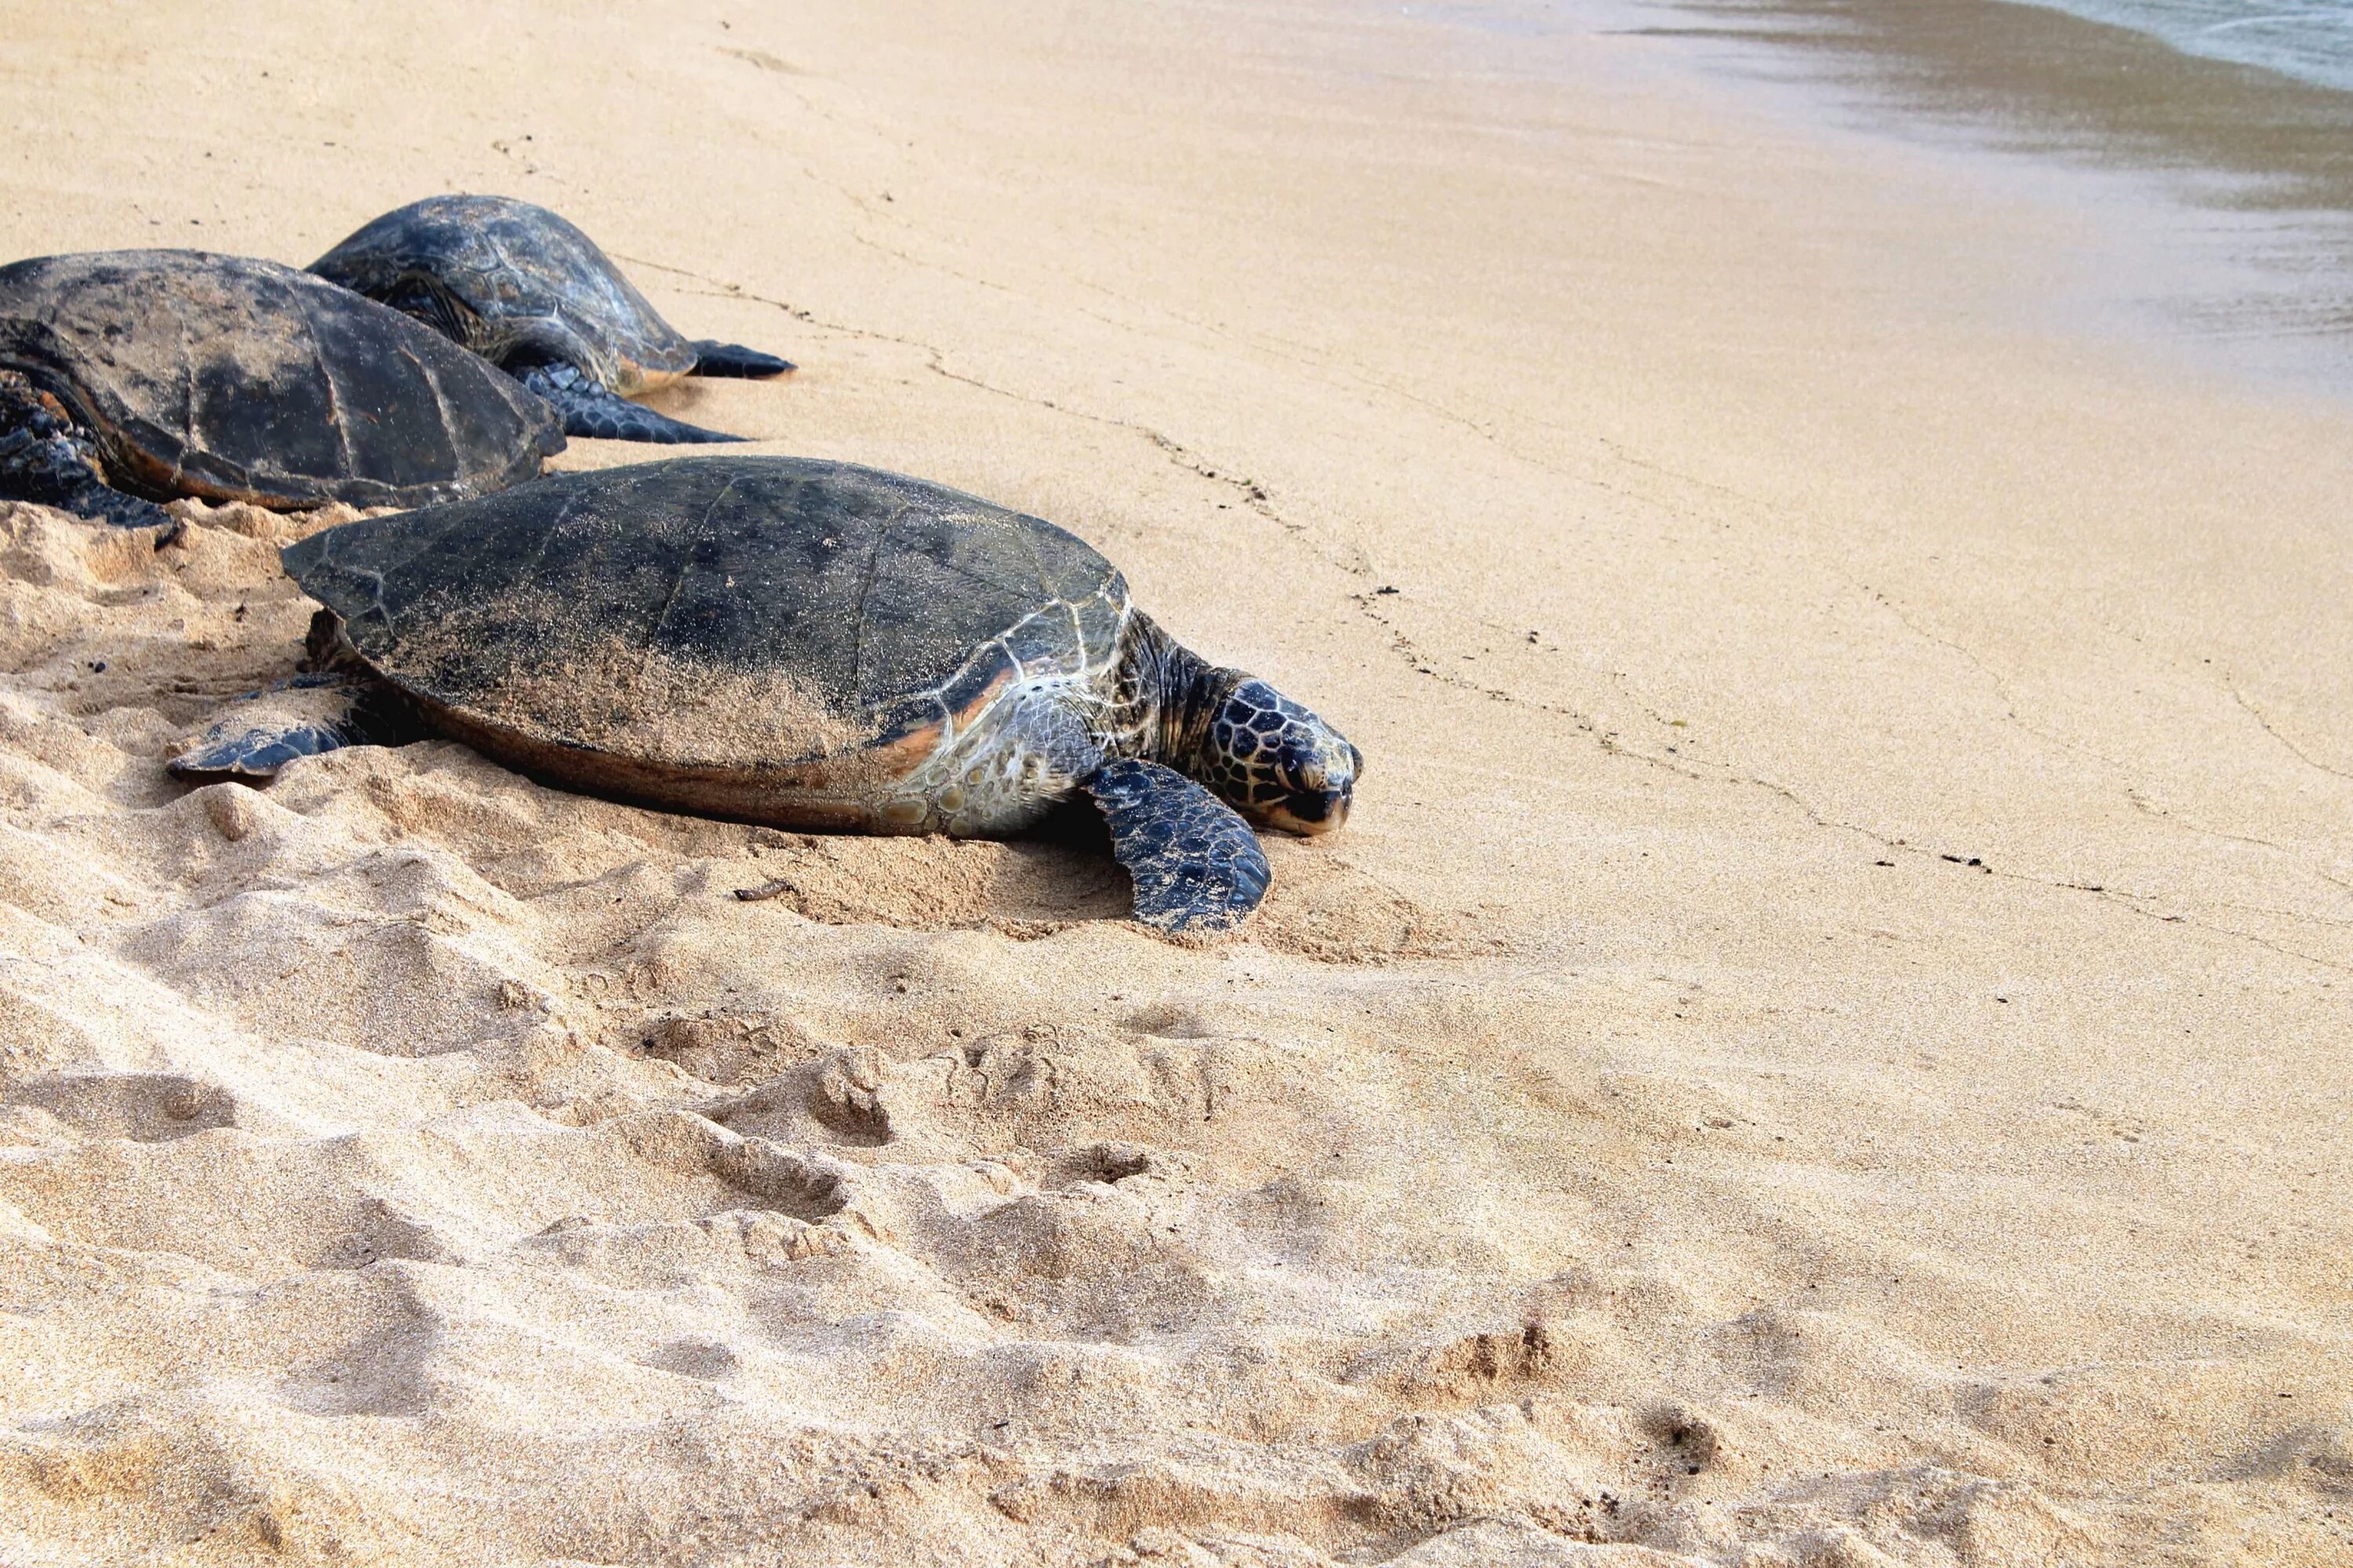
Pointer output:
x,y
526,289
813,645
129,376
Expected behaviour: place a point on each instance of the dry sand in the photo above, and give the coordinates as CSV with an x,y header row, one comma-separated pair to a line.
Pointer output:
x,y
1825,1041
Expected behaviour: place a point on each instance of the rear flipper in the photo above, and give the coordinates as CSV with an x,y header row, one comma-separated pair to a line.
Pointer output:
x,y
1196,863
265,730
714,358
46,458
587,409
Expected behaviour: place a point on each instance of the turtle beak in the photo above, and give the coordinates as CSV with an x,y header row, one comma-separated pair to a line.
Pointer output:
x,y
1311,812
1317,801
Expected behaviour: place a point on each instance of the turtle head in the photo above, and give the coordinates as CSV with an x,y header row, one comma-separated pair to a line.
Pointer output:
x,y
1277,763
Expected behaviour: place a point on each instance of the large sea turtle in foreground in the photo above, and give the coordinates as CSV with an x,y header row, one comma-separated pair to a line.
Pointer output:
x,y
804,644
132,376
534,296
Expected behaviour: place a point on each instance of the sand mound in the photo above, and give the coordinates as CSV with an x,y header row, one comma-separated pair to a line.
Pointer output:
x,y
405,1011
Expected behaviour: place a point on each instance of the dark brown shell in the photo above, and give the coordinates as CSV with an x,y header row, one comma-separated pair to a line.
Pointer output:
x,y
528,283
749,636
237,379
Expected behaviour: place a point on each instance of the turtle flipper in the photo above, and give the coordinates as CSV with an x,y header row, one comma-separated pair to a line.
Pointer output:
x,y
1196,863
265,730
587,409
717,358
45,458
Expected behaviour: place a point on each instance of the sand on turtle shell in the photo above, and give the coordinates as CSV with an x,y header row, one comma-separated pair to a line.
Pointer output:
x,y
624,697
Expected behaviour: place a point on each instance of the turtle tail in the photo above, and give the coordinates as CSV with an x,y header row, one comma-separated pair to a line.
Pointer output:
x,y
588,410
714,358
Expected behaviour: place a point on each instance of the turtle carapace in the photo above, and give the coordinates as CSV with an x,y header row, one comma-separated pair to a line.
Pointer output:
x,y
132,376
529,292
803,644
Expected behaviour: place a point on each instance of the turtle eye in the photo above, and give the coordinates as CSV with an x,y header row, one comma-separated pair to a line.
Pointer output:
x,y
1355,760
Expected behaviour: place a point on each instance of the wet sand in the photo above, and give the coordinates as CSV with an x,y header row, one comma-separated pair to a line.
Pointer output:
x,y
1824,1042
2223,192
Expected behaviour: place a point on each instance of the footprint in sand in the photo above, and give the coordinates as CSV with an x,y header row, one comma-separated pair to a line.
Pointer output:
x,y
736,1049
148,1107
836,1098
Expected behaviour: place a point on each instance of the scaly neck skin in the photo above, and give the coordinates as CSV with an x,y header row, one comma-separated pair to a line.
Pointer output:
x,y
1183,692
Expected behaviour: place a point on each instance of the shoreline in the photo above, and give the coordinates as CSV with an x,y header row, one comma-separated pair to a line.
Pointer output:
x,y
2278,42
2222,191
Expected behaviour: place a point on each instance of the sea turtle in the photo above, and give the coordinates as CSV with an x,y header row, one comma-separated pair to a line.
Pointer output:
x,y
130,376
804,644
528,291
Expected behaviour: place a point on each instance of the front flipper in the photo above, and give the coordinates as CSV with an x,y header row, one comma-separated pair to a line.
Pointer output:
x,y
714,358
45,458
264,731
587,409
1196,863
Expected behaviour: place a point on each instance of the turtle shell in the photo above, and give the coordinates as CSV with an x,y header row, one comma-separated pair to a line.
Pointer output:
x,y
531,285
776,639
235,379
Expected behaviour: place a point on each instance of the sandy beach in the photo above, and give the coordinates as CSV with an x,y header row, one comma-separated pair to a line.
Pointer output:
x,y
1826,1042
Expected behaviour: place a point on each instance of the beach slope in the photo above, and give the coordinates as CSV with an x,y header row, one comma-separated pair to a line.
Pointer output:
x,y
1824,1043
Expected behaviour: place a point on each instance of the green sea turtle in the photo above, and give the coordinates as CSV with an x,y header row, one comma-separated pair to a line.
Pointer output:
x,y
132,376
531,293
804,644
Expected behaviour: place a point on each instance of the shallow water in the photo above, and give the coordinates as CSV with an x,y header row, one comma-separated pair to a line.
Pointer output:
x,y
2312,43
2196,169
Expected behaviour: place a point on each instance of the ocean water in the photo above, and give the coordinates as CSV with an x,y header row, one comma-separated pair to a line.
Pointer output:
x,y
2313,42
2211,206
2310,40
